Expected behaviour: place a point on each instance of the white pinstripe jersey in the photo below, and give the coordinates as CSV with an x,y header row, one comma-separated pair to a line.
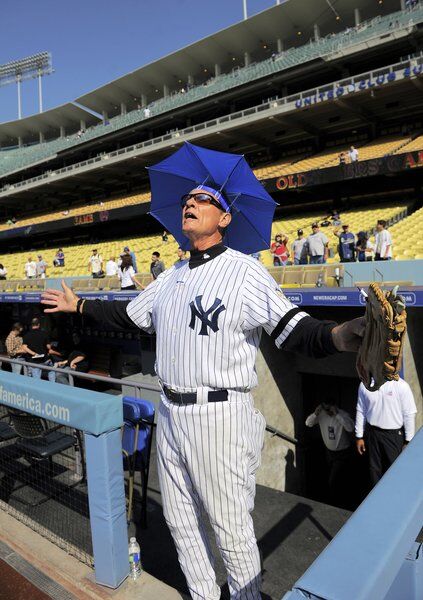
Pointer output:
x,y
208,321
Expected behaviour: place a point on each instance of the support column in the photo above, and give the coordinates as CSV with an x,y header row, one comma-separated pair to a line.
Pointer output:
x,y
41,137
316,32
82,125
190,80
165,90
217,70
279,45
105,116
20,143
143,99
62,132
106,495
247,59
357,18
122,108
402,4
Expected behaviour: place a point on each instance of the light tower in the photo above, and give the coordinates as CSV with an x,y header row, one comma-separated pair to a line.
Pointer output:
x,y
16,71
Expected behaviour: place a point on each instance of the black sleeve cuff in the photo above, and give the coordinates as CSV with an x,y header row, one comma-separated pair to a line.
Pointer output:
x,y
312,338
113,313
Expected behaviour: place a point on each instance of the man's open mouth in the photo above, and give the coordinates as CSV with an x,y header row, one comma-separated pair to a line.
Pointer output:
x,y
189,215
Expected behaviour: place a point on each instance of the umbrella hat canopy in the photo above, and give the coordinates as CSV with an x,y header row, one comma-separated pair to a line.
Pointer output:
x,y
252,208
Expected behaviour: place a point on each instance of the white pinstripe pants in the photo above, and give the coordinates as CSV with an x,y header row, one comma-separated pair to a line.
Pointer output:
x,y
207,457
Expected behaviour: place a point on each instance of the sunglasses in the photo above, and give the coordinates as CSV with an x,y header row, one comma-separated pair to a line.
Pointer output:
x,y
202,198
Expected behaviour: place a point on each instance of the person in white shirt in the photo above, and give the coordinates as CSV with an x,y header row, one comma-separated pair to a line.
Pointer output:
x,y
387,416
41,267
336,427
299,249
30,268
112,267
353,154
95,264
126,274
383,242
3,272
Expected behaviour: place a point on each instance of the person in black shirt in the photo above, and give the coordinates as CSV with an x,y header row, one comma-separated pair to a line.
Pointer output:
x,y
37,342
77,360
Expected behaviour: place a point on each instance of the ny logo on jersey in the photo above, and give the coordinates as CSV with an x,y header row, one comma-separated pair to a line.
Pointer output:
x,y
213,312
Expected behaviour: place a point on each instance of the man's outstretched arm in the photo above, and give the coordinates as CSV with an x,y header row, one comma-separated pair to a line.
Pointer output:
x,y
113,313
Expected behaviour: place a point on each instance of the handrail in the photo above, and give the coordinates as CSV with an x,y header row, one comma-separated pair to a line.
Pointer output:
x,y
127,383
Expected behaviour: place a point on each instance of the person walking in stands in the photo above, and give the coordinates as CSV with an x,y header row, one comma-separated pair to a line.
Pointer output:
x,y
364,247
131,253
346,247
317,243
59,259
112,267
15,346
95,264
336,428
182,256
30,268
41,267
299,249
384,423
38,348
3,272
126,274
157,266
353,154
279,250
383,242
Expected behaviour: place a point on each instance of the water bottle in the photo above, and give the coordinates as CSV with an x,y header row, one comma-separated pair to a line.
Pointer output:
x,y
134,558
319,282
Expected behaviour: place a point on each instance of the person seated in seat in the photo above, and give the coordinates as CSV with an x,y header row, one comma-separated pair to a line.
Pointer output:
x,y
77,360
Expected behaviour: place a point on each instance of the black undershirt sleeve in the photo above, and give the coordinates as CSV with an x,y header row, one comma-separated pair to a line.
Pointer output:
x,y
113,313
312,338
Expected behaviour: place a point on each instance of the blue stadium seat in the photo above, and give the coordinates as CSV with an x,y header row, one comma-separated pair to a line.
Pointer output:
x,y
137,436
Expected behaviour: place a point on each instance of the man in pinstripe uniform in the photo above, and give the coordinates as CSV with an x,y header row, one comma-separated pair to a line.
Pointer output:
x,y
208,314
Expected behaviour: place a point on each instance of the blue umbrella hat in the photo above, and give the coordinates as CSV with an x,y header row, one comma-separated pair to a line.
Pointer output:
x,y
251,207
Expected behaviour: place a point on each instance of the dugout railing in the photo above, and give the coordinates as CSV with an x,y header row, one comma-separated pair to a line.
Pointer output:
x,y
74,493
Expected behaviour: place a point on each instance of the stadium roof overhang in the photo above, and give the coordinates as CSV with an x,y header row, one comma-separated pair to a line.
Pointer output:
x,y
68,115
228,47
256,36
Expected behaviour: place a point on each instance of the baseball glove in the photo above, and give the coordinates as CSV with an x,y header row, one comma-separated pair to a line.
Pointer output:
x,y
380,354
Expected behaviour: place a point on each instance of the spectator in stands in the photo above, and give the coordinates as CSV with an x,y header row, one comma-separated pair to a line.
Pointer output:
x,y
95,264
59,259
279,250
41,267
126,274
30,268
386,418
182,256
346,247
157,266
3,272
318,245
335,218
112,267
383,242
77,360
353,154
131,253
38,347
364,247
342,158
165,236
15,346
147,112
299,249
336,427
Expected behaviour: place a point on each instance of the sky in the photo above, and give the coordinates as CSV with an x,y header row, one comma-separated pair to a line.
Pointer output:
x,y
95,41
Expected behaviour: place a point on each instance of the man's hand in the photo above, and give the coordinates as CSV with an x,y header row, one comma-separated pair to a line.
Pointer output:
x,y
348,336
60,301
361,446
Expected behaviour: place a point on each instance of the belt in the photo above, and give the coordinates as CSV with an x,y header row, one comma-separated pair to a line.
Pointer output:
x,y
383,429
191,397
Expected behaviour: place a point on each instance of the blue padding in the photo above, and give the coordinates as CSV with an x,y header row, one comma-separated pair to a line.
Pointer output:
x,y
365,557
106,494
135,409
141,409
91,412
